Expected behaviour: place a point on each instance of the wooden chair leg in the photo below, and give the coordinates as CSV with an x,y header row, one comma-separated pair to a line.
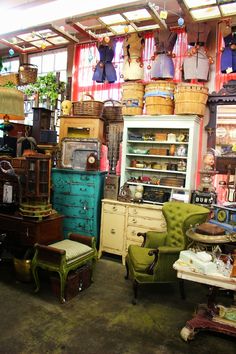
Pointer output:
x,y
127,270
182,289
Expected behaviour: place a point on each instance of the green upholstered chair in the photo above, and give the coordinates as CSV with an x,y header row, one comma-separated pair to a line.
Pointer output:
x,y
64,256
152,262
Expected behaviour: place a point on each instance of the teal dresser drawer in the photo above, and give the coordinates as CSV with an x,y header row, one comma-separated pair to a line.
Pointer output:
x,y
74,211
77,195
83,226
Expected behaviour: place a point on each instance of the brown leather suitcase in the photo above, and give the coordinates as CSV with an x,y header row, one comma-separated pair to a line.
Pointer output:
x,y
77,281
210,229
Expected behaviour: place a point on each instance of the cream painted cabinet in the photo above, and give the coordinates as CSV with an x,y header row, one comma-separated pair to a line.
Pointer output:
x,y
121,222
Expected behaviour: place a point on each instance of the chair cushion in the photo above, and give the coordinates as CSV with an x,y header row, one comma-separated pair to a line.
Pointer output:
x,y
139,258
73,249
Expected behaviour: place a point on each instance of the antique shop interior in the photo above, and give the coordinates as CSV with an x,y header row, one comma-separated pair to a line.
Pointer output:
x,y
118,176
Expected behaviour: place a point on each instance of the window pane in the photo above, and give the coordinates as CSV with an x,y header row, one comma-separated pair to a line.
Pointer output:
x,y
36,60
61,61
47,63
63,75
11,65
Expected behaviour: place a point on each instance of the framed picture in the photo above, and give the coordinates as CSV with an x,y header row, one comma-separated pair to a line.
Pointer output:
x,y
74,152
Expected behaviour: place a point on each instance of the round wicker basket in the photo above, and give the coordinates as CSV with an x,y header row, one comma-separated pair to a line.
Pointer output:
x,y
190,99
88,107
112,110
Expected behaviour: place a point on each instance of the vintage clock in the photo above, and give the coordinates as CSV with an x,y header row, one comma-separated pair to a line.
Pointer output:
x,y
92,162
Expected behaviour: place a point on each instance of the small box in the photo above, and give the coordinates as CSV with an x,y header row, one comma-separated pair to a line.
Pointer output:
x,y
158,151
160,136
77,281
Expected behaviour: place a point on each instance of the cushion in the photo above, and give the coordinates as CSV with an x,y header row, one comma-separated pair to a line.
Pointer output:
x,y
73,249
210,229
140,258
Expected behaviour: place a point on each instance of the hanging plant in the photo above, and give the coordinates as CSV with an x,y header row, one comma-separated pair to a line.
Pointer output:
x,y
47,87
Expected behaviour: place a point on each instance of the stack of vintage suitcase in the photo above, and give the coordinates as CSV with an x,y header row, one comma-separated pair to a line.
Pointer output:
x,y
77,281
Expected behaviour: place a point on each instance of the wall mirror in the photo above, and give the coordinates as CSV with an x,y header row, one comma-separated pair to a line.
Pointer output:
x,y
221,127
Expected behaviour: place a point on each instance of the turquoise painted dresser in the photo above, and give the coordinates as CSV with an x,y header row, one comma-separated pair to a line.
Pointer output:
x,y
77,195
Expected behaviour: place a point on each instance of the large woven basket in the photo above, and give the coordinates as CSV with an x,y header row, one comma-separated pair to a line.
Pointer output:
x,y
87,107
132,98
190,99
112,110
159,97
28,73
9,78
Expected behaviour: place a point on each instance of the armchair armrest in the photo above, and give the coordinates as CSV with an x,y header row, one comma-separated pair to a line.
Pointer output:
x,y
49,254
144,235
169,249
164,255
86,240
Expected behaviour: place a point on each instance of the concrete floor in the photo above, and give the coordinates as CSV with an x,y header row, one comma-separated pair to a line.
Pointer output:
x,y
101,319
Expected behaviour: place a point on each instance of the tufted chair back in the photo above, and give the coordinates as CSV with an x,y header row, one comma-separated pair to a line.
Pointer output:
x,y
180,217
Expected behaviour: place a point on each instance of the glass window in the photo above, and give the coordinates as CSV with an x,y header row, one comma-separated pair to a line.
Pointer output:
x,y
48,63
53,61
10,65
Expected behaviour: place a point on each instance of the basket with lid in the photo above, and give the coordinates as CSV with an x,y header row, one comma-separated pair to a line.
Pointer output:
x,y
87,107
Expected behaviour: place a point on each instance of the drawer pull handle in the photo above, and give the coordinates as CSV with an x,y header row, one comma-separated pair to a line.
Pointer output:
x,y
114,208
134,221
113,231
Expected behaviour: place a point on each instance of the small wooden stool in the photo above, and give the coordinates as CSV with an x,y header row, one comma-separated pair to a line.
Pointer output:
x,y
64,256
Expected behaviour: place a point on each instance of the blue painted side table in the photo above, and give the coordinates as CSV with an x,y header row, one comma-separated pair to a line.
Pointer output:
x,y
77,195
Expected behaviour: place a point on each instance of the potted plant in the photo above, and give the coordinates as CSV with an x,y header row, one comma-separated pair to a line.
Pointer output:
x,y
46,88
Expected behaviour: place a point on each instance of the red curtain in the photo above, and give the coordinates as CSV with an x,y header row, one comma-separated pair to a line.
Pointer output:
x,y
86,57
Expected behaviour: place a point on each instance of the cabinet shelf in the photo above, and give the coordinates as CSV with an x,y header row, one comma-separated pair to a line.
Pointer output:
x,y
156,170
156,186
157,142
158,156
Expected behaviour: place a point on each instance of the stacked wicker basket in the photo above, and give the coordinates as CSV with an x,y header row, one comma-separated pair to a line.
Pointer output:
x,y
163,97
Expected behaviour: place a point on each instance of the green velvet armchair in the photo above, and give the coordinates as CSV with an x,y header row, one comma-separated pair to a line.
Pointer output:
x,y
152,262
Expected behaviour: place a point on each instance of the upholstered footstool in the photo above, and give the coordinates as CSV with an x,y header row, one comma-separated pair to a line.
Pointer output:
x,y
64,256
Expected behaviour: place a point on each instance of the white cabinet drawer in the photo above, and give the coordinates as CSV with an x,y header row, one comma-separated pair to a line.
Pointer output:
x,y
150,224
133,242
132,232
146,213
114,208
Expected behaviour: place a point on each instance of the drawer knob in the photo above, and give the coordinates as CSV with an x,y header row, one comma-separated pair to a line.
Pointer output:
x,y
133,233
113,231
114,208
134,221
